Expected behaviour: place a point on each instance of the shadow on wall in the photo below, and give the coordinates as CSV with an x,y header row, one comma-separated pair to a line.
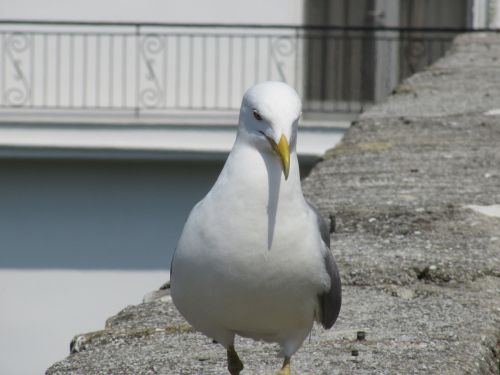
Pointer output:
x,y
120,215
96,214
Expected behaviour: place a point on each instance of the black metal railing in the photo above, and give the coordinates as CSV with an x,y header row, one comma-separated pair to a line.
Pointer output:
x,y
153,68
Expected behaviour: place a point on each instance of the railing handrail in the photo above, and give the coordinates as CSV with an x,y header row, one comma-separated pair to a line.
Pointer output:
x,y
245,26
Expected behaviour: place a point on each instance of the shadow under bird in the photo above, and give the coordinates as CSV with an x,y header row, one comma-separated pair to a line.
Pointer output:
x,y
254,256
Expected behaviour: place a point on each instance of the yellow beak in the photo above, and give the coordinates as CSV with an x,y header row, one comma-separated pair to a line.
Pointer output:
x,y
283,151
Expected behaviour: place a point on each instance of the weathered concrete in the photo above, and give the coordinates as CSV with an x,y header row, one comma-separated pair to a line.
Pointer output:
x,y
421,270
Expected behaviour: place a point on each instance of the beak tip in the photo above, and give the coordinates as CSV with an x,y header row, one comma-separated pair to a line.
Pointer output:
x,y
284,153
286,171
282,149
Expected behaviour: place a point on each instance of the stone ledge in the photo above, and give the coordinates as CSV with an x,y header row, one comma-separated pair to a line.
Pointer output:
x,y
419,321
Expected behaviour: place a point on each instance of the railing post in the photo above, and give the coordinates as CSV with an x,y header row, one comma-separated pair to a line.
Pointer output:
x,y
296,63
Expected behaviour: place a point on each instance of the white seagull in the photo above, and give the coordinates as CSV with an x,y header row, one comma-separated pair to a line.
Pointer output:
x,y
254,256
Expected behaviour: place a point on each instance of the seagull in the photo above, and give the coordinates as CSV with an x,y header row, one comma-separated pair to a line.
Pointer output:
x,y
254,256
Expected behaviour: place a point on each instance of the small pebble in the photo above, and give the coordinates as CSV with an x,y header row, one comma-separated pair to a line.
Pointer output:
x,y
360,335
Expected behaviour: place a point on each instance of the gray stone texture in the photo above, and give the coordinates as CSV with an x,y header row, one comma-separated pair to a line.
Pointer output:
x,y
420,270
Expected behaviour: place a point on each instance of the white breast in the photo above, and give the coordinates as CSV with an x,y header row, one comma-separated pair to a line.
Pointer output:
x,y
233,276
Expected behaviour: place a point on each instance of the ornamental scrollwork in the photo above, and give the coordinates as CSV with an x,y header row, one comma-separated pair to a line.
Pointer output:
x,y
17,92
415,53
283,51
151,93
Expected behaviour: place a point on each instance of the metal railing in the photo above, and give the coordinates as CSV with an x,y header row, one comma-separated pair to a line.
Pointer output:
x,y
153,68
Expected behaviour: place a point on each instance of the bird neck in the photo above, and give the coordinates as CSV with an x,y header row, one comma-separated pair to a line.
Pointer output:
x,y
252,185
259,174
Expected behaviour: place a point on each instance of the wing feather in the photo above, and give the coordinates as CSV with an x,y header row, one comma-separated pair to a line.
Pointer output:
x,y
331,300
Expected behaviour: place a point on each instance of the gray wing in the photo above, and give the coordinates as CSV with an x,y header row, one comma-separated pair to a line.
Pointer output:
x,y
330,301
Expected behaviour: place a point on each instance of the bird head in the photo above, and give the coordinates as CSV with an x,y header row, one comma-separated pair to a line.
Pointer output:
x,y
269,118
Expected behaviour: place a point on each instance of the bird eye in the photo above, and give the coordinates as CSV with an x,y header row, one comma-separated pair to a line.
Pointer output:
x,y
257,116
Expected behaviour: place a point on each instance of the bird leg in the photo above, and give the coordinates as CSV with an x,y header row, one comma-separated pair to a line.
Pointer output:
x,y
285,370
234,364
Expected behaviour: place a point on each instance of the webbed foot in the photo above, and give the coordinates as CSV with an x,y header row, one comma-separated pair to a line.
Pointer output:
x,y
285,370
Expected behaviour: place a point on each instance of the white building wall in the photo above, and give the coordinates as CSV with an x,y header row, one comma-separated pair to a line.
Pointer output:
x,y
185,11
495,14
485,14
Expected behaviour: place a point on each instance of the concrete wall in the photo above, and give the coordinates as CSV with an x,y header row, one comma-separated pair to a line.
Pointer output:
x,y
96,214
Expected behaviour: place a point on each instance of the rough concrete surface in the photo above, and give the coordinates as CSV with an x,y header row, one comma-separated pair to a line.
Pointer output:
x,y
420,268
